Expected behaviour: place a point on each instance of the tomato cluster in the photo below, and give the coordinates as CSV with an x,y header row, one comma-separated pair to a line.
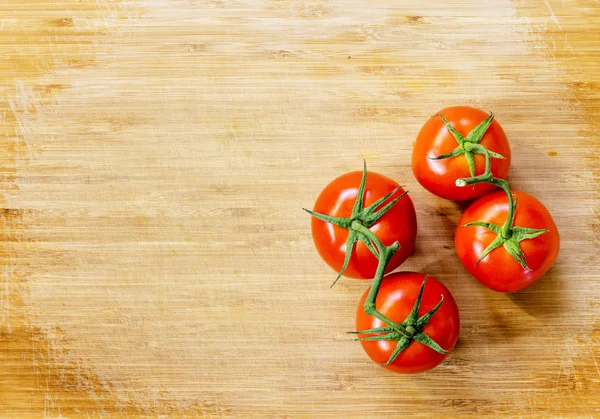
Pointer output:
x,y
515,221
364,226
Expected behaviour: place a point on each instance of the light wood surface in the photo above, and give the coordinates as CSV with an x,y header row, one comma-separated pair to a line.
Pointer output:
x,y
156,157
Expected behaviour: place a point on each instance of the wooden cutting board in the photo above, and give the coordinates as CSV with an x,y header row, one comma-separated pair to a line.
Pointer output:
x,y
156,157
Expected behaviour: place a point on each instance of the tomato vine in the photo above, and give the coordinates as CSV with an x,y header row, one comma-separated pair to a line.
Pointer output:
x,y
358,226
508,235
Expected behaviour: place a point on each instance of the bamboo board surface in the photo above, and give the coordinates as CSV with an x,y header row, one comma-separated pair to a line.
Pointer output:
x,y
156,157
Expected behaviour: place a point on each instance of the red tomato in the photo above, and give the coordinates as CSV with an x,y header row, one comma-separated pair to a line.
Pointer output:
x,y
398,224
395,300
434,139
499,271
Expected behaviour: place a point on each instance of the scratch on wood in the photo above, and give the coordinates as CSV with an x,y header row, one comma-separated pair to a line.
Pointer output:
x,y
554,18
25,107
593,355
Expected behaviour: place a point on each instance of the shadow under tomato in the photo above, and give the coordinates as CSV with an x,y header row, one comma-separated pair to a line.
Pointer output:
x,y
436,235
442,268
463,205
545,298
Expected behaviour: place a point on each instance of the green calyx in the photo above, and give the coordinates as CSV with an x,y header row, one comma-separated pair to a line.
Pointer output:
x,y
407,331
508,235
361,220
511,244
510,239
469,146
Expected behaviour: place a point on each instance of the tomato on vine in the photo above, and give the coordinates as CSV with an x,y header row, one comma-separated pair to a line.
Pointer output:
x,y
528,252
506,240
423,323
373,202
450,146
349,214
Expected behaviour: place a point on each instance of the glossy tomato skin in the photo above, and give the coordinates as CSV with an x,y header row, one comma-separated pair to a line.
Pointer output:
x,y
434,139
499,271
398,224
395,300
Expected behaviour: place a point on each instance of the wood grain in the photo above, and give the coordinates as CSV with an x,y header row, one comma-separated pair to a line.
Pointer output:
x,y
157,155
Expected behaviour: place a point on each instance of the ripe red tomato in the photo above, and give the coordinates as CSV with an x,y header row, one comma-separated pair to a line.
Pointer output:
x,y
434,140
395,300
500,271
399,223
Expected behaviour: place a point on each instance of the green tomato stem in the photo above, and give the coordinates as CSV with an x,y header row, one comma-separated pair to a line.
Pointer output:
x,y
385,254
487,177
